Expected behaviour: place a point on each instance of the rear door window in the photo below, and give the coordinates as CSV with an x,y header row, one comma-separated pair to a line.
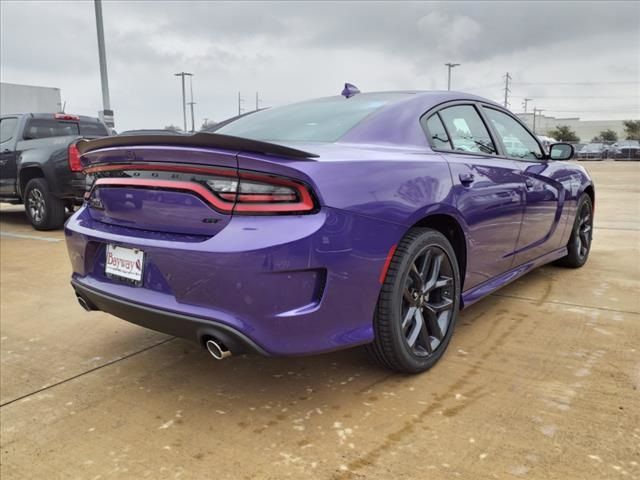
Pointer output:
x,y
437,133
467,131
49,127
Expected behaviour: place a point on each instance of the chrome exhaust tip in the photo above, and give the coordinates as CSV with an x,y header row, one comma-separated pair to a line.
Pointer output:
x,y
84,304
217,349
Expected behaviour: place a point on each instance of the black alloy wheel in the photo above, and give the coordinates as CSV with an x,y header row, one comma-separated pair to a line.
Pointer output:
x,y
427,305
418,303
581,238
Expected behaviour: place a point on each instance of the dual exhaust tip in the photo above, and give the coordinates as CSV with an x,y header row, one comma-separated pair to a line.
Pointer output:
x,y
215,347
85,304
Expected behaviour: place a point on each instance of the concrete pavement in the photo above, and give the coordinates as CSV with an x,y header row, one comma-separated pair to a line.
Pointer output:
x,y
541,381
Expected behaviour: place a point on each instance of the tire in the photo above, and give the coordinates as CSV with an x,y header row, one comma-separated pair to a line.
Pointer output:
x,y
396,324
44,211
579,244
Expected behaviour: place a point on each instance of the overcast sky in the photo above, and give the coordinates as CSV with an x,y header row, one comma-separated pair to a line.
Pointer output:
x,y
574,58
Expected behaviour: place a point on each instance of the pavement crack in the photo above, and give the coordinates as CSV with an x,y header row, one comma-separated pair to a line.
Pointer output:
x,y
533,300
111,362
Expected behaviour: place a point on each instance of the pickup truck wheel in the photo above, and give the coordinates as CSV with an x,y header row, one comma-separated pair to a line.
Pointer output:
x,y
44,211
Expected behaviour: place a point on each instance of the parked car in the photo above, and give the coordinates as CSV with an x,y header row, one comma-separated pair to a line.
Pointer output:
x,y
326,224
546,142
40,164
625,150
592,151
577,147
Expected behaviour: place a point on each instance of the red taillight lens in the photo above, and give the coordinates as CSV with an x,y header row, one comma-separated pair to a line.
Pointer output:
x,y
258,194
228,191
74,159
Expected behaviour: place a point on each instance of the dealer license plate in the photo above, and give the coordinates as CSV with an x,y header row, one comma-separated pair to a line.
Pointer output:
x,y
124,264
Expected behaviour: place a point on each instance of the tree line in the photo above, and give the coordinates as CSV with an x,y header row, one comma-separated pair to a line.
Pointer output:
x,y
564,133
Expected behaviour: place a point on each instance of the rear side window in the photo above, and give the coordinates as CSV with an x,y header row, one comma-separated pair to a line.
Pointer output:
x,y
45,127
7,129
93,129
467,130
517,141
437,133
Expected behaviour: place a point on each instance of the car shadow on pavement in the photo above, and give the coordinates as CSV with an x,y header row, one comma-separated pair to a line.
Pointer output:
x,y
14,216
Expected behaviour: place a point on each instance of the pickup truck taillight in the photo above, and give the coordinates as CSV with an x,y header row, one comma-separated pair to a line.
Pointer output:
x,y
74,158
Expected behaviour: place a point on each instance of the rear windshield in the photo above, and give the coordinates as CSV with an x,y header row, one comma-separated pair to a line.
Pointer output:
x,y
50,127
321,120
93,129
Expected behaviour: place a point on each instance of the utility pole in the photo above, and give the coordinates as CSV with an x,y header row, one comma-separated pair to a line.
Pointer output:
x,y
191,104
107,113
184,100
257,102
507,79
525,102
240,102
449,67
536,111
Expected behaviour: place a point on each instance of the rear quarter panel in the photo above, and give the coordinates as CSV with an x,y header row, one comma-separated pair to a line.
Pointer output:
x,y
398,187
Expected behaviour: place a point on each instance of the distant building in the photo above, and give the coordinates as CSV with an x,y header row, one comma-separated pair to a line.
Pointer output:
x,y
585,129
15,98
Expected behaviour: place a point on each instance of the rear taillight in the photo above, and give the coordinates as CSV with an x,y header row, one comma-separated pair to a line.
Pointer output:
x,y
261,194
227,191
74,158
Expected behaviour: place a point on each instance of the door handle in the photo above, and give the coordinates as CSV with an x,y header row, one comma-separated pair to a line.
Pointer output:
x,y
528,183
466,178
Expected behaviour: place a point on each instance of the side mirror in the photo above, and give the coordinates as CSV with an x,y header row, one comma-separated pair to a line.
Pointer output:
x,y
561,151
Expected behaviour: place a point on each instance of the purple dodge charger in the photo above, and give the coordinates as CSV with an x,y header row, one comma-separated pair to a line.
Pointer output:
x,y
360,219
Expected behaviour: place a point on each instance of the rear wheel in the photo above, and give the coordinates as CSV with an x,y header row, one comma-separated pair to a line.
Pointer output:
x,y
418,304
581,235
44,211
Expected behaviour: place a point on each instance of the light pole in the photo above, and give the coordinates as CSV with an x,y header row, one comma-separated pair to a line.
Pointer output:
x,y
107,113
184,100
449,67
191,104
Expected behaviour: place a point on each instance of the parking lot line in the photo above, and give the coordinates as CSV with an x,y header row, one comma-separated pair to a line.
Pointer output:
x,y
566,304
29,237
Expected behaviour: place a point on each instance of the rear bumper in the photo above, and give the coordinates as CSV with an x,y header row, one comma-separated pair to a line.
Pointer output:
x,y
289,285
191,328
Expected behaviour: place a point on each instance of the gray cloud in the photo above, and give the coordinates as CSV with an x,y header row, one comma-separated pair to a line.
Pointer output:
x,y
290,51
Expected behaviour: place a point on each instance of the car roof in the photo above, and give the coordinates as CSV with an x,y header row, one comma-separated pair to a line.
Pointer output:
x,y
396,123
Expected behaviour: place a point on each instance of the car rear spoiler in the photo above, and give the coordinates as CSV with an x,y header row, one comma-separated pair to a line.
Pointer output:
x,y
200,139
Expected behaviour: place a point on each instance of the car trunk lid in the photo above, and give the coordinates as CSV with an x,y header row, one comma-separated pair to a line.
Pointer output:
x,y
171,184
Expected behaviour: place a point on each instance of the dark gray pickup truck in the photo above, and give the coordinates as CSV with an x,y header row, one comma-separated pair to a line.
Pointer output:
x,y
40,164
